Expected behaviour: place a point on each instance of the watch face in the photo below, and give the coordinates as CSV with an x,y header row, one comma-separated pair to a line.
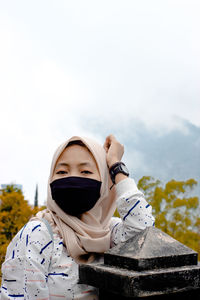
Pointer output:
x,y
118,168
124,169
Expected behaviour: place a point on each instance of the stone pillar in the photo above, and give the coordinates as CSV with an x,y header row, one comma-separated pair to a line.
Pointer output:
x,y
150,265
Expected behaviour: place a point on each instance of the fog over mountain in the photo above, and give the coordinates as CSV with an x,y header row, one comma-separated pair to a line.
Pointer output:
x,y
163,154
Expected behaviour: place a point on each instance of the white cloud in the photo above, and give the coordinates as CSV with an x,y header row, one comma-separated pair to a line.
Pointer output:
x,y
114,60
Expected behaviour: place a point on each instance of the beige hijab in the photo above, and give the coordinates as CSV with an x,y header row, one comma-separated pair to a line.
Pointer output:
x,y
90,234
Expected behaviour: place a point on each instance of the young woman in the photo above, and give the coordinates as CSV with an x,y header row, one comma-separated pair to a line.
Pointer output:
x,y
87,182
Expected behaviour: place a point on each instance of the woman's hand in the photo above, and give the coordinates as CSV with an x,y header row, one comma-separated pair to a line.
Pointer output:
x,y
114,150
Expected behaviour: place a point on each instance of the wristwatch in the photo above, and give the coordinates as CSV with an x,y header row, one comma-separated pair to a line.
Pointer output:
x,y
118,167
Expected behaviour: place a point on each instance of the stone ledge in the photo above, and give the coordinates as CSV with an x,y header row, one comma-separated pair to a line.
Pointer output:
x,y
150,249
141,284
151,265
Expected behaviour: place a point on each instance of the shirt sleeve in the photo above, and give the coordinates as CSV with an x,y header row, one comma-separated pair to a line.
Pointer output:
x,y
25,270
135,213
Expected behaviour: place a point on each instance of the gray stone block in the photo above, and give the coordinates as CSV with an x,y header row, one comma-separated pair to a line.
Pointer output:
x,y
151,264
150,249
141,284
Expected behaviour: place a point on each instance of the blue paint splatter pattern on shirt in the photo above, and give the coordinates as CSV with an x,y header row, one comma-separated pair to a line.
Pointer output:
x,y
38,268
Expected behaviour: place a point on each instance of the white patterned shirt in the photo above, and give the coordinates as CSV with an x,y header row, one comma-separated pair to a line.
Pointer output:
x,y
39,267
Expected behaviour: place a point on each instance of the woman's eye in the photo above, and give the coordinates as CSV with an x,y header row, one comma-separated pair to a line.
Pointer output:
x,y
61,172
86,172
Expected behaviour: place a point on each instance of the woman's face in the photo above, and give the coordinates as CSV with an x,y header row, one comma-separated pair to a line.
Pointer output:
x,y
78,161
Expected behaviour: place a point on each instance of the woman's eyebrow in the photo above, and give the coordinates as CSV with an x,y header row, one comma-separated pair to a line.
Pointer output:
x,y
82,164
86,163
62,164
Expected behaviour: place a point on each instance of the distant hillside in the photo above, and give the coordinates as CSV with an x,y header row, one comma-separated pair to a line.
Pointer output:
x,y
175,154
168,155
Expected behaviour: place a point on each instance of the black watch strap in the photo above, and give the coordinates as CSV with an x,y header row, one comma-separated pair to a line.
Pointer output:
x,y
117,168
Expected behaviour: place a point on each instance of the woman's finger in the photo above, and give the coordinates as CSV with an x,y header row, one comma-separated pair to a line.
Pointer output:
x,y
108,142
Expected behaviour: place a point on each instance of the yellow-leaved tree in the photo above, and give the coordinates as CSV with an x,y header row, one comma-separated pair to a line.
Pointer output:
x,y
176,211
14,213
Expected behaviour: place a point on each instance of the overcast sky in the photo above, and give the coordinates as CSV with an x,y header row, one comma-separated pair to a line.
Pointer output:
x,y
65,62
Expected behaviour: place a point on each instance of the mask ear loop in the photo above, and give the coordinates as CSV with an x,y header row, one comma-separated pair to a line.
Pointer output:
x,y
112,186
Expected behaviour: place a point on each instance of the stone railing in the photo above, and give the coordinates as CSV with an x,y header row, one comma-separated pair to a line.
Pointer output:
x,y
151,265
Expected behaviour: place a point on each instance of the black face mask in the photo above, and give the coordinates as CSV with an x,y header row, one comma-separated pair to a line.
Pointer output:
x,y
75,195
